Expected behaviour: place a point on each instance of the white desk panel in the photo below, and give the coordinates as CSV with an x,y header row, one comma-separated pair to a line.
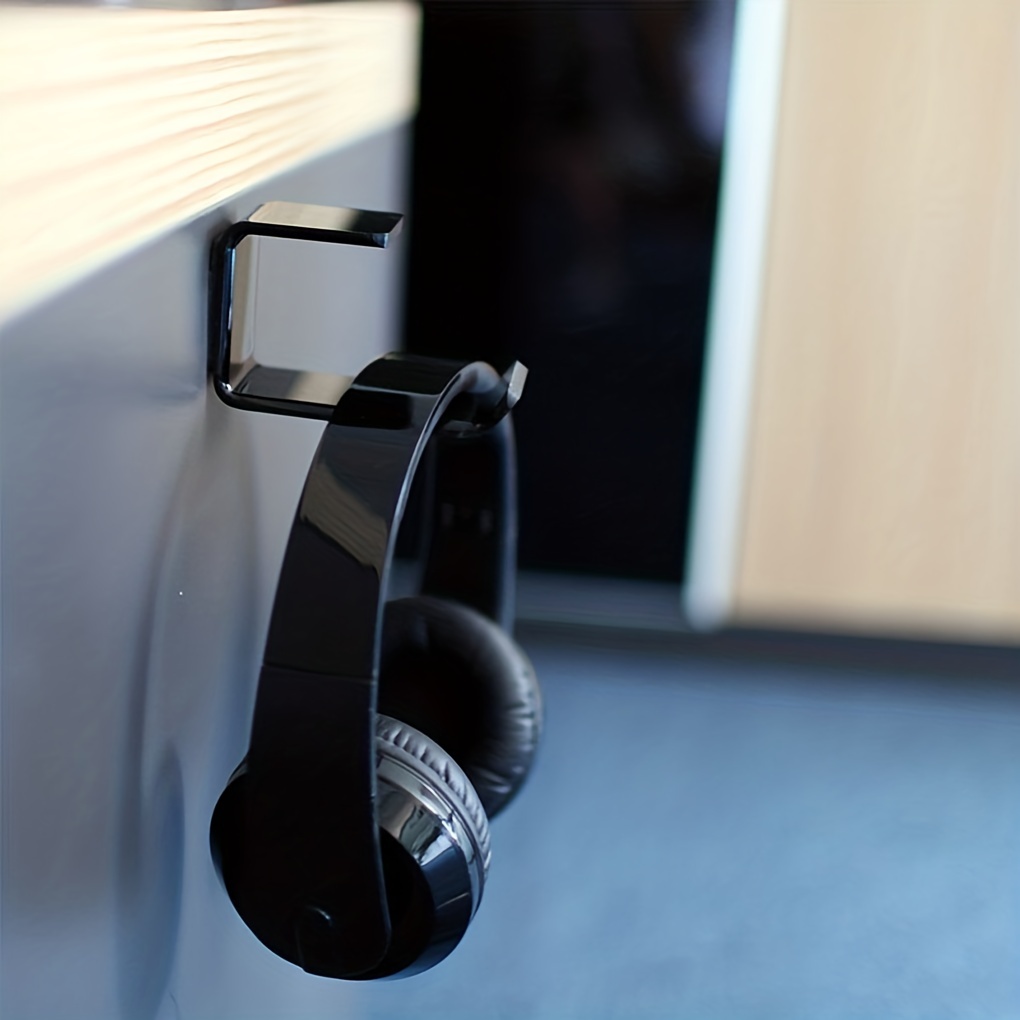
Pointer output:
x,y
143,523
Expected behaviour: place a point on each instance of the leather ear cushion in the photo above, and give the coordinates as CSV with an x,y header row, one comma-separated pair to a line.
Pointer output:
x,y
452,673
404,743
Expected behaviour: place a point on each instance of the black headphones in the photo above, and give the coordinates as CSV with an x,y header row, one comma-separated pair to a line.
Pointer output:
x,y
353,839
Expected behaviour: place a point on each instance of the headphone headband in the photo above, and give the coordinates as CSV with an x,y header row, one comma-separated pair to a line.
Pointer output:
x,y
335,573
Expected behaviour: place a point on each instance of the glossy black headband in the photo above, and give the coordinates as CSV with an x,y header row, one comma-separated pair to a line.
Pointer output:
x,y
305,869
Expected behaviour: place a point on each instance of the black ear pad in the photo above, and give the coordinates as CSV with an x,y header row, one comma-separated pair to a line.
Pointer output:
x,y
452,673
397,740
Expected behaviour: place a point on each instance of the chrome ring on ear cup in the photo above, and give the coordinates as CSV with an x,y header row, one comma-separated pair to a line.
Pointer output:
x,y
435,847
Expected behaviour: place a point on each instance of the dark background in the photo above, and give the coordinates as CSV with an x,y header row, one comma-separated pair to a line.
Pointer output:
x,y
565,181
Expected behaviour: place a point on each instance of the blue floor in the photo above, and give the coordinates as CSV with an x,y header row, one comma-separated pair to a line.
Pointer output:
x,y
711,840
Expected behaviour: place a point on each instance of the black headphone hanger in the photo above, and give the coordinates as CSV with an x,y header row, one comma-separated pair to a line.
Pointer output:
x,y
318,899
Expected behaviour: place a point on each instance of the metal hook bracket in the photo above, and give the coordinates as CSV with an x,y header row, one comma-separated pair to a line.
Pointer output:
x,y
238,378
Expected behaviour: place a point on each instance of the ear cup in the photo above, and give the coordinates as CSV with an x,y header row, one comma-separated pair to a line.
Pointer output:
x,y
453,674
434,841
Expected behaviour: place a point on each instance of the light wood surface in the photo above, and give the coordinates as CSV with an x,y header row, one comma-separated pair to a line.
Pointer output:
x,y
116,124
883,480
